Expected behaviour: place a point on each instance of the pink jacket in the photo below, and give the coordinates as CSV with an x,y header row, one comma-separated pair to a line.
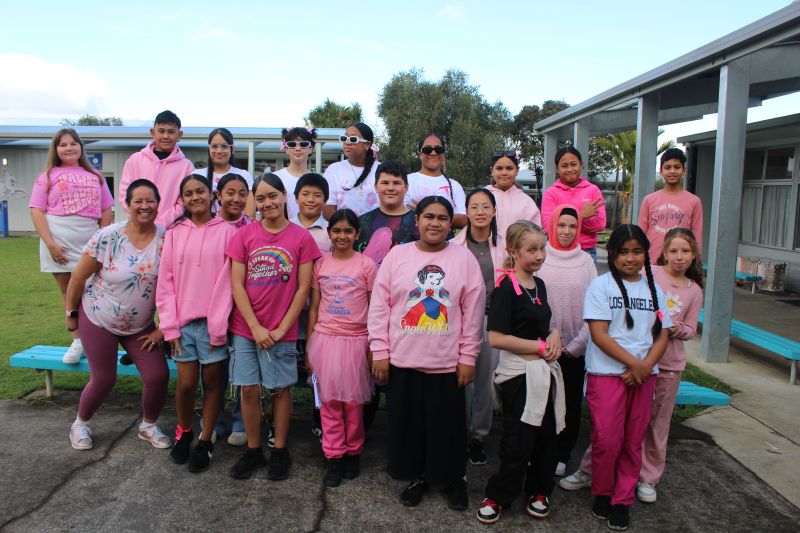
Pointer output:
x,y
583,193
166,174
513,205
194,279
427,309
498,252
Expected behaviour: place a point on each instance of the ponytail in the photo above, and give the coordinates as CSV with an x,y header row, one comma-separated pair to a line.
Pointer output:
x,y
369,158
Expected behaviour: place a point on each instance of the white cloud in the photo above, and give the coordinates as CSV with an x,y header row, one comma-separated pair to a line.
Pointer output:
x,y
453,13
30,87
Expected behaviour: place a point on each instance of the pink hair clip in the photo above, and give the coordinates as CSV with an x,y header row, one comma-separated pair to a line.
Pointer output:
x,y
510,274
310,130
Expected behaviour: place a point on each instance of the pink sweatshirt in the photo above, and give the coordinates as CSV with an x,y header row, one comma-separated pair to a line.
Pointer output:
x,y
194,279
661,211
427,309
683,305
513,205
165,173
583,193
71,191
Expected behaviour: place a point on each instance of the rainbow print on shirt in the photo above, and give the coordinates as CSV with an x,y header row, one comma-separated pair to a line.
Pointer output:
x,y
427,304
270,261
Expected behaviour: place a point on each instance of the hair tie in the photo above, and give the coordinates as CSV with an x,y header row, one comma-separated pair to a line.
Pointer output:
x,y
510,274
283,146
374,150
310,130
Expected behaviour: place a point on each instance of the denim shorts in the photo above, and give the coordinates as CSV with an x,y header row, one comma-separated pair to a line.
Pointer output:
x,y
273,368
196,345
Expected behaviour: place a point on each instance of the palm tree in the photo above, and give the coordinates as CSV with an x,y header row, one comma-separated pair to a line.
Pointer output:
x,y
622,146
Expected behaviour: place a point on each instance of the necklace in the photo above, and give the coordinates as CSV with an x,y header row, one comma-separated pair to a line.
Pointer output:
x,y
535,298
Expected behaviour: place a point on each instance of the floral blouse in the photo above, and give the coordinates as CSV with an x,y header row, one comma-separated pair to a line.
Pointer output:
x,y
120,297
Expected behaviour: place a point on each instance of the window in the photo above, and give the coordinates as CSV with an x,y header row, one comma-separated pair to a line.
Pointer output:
x,y
753,164
780,162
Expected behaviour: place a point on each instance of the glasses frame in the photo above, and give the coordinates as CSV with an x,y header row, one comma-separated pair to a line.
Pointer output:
x,y
428,150
352,139
222,146
298,144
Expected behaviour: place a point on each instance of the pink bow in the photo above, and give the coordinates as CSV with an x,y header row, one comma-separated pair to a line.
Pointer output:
x,y
180,431
510,274
283,146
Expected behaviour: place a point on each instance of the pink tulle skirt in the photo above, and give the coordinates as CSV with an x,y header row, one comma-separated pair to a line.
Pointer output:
x,y
340,365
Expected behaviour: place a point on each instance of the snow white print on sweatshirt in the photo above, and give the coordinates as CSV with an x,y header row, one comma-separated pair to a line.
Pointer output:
x,y
427,304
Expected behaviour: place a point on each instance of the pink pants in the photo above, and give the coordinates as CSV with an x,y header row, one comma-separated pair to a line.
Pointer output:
x,y
620,415
654,447
342,428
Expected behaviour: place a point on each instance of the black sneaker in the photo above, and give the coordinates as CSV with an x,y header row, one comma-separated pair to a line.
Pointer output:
x,y
457,495
620,518
279,463
601,508
351,468
477,455
412,494
333,472
251,460
183,443
488,511
201,455
538,506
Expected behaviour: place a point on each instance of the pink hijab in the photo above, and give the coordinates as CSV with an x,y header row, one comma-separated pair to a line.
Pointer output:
x,y
552,231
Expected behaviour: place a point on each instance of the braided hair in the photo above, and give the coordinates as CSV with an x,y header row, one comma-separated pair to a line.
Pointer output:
x,y
421,143
369,157
621,235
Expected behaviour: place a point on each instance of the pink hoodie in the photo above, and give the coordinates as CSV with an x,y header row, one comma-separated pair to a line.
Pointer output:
x,y
429,324
583,193
194,278
166,174
513,205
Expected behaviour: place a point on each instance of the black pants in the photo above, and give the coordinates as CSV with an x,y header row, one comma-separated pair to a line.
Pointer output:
x,y
574,373
527,453
427,426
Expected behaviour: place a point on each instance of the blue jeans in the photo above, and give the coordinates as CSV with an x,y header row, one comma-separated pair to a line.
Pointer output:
x,y
592,252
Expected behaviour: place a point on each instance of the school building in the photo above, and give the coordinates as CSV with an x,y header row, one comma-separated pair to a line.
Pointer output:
x,y
23,155
746,175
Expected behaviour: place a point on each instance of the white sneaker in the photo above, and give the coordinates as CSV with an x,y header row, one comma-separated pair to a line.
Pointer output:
x,y
561,469
646,492
74,353
80,437
154,436
237,438
576,481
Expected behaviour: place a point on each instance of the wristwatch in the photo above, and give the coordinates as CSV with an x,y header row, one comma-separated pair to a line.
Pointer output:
x,y
72,314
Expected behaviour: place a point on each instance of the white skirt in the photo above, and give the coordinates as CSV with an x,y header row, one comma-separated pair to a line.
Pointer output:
x,y
71,232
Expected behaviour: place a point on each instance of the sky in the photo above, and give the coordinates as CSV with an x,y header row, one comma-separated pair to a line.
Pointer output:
x,y
266,64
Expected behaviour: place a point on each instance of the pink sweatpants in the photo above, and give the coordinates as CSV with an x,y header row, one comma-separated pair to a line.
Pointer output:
x,y
342,428
620,415
654,446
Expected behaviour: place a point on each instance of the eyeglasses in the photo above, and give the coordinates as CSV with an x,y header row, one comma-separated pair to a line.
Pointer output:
x,y
428,150
220,146
513,154
295,144
352,139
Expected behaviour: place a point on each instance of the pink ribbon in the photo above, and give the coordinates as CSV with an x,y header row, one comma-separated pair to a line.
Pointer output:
x,y
283,146
510,274
180,431
660,315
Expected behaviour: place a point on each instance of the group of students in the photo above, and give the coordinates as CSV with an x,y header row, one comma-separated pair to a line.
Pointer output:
x,y
363,264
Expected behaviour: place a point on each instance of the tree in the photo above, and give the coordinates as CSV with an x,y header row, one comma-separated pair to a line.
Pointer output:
x,y
329,114
411,106
92,120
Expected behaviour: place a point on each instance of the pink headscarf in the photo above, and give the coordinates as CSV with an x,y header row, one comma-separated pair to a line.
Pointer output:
x,y
552,231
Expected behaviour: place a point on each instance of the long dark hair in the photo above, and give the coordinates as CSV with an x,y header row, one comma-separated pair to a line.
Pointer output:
x,y
493,224
228,136
618,238
369,158
186,214
695,270
421,143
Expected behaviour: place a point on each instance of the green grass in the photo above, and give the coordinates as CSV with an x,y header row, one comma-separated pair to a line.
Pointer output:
x,y
31,313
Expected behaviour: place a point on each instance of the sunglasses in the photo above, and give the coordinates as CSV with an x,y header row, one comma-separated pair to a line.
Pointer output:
x,y
513,154
220,146
352,139
295,144
428,150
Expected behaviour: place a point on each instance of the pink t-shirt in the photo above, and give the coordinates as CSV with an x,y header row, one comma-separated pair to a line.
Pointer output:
x,y
662,211
271,261
343,287
121,296
73,191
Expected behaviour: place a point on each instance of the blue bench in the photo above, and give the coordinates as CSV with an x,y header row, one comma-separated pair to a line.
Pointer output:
x,y
691,394
767,340
744,276
48,358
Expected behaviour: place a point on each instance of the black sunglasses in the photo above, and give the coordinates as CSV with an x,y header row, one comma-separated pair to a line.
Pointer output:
x,y
428,150
506,153
295,144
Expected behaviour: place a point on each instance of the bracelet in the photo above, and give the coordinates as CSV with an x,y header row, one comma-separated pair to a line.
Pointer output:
x,y
542,346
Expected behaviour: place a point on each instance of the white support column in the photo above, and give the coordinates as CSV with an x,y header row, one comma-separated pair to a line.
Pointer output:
x,y
251,157
726,203
580,140
550,147
318,158
644,176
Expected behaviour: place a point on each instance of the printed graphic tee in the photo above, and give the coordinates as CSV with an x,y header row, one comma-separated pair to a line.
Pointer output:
x,y
72,191
343,286
662,211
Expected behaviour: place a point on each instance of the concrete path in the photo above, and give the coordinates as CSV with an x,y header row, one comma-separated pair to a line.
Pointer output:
x,y
124,484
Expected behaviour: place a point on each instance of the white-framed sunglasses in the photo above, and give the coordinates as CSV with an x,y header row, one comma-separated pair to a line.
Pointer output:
x,y
301,144
352,139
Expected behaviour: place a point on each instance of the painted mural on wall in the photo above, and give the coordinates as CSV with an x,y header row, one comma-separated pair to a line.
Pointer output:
x,y
10,189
